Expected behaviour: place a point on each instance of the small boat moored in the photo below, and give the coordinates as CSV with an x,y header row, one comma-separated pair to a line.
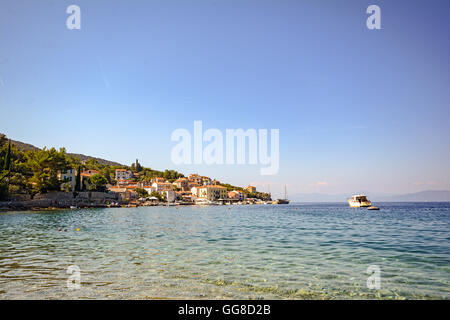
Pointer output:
x,y
373,208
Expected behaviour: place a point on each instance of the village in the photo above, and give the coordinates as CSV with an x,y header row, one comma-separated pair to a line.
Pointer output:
x,y
195,189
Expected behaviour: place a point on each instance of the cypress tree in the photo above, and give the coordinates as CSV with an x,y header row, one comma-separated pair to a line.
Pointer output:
x,y
7,163
78,179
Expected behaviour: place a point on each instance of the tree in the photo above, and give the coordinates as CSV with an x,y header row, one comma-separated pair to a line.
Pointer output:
x,y
78,180
66,187
14,173
157,195
45,165
142,193
97,182
7,163
108,173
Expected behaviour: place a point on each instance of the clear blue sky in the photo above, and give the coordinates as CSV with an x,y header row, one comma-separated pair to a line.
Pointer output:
x,y
357,109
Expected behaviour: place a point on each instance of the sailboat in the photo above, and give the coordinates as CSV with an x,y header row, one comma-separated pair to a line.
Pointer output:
x,y
285,200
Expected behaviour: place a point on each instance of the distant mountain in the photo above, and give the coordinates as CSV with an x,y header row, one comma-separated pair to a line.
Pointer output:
x,y
28,147
318,197
423,196
83,157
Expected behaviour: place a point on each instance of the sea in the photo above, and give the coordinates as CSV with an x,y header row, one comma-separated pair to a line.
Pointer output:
x,y
295,251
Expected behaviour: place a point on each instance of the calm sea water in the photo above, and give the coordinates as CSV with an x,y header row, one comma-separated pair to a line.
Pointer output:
x,y
297,251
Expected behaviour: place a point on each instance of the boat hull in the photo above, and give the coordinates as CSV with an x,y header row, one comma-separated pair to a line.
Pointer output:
x,y
359,204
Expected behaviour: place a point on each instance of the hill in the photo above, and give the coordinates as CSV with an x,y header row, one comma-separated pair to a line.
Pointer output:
x,y
422,196
28,147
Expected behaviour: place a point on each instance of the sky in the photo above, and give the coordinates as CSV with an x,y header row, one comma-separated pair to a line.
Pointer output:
x,y
357,109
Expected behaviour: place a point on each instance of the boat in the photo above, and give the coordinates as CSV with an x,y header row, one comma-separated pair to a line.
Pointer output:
x,y
73,207
285,200
373,208
358,201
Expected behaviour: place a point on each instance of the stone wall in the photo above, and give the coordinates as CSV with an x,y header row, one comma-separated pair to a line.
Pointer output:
x,y
85,195
62,200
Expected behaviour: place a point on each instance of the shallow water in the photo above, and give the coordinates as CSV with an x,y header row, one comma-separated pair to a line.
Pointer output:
x,y
297,251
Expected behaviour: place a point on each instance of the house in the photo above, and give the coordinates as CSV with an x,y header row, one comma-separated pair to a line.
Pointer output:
x,y
90,172
84,178
125,193
251,189
69,176
206,181
185,196
149,189
212,193
123,174
182,184
143,184
170,195
158,180
192,184
194,190
162,186
123,183
236,195
195,178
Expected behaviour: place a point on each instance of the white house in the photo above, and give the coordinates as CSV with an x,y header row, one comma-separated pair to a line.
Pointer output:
x,y
194,191
170,195
149,189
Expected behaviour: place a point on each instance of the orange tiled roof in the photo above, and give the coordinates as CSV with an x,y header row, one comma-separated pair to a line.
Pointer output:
x,y
220,187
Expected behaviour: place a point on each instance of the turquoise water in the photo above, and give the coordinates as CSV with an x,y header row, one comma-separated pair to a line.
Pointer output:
x,y
297,251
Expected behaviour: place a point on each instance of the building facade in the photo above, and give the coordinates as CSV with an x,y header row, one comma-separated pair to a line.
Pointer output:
x,y
162,186
182,184
69,177
212,193
122,174
236,195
